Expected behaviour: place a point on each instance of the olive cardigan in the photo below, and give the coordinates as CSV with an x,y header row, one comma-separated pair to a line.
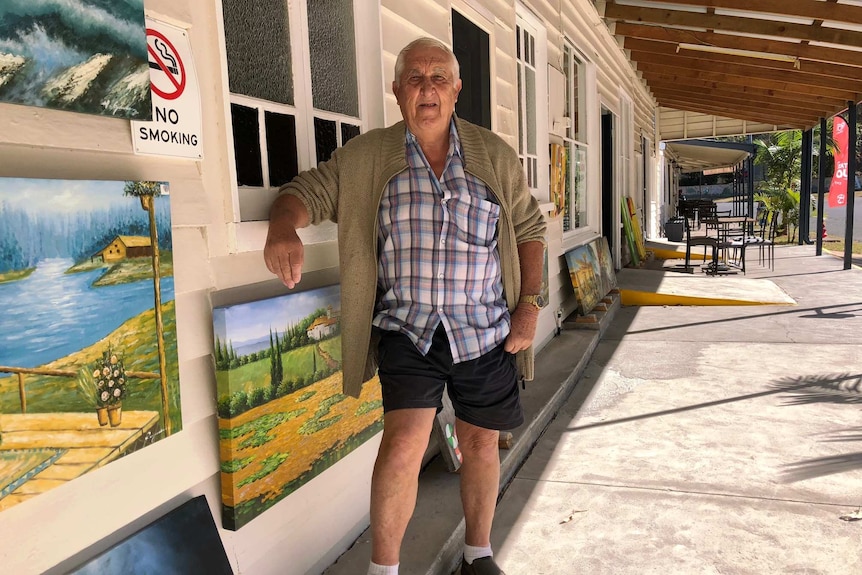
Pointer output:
x,y
348,188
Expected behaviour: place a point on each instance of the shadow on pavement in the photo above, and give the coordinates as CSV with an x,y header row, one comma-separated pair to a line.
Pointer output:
x,y
836,311
821,389
821,466
831,389
842,390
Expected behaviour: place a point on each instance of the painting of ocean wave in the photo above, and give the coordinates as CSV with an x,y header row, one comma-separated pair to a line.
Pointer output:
x,y
86,56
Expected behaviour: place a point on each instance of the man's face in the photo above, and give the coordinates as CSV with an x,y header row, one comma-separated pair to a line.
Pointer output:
x,y
427,91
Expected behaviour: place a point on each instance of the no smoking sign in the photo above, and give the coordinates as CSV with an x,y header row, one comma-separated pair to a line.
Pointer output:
x,y
169,80
176,126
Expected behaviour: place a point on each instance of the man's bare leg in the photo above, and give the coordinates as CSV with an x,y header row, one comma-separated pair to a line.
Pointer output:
x,y
396,479
480,480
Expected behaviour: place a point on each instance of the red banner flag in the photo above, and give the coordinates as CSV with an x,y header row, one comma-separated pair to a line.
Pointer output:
x,y
838,187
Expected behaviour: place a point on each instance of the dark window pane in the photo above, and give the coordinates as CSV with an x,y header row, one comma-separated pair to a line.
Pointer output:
x,y
325,137
531,112
246,145
518,42
471,46
281,147
257,39
520,109
332,52
348,131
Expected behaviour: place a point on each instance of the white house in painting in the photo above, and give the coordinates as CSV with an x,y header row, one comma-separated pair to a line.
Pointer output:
x,y
323,326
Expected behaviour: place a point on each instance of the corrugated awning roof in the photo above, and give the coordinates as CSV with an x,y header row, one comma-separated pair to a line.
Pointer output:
x,y
785,63
700,155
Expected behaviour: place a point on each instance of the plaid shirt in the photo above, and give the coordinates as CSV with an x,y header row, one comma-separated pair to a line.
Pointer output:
x,y
438,258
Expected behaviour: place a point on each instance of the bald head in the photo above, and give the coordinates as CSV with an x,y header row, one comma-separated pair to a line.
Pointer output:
x,y
423,43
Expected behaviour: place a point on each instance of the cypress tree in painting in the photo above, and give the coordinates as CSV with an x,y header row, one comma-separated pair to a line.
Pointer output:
x,y
219,359
279,362
276,368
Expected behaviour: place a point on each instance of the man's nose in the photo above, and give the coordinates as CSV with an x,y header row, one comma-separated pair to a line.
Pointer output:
x,y
427,85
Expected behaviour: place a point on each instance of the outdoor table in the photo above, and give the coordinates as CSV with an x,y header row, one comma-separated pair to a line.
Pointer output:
x,y
724,229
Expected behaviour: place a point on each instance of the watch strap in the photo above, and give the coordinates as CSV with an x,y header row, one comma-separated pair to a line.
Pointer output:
x,y
536,301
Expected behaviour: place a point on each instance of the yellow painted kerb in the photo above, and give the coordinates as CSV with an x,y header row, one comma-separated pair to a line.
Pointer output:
x,y
666,254
643,298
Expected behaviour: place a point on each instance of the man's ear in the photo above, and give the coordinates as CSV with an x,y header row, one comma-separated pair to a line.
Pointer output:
x,y
395,90
458,85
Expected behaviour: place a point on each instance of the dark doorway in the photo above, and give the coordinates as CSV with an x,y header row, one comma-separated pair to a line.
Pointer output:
x,y
608,179
471,46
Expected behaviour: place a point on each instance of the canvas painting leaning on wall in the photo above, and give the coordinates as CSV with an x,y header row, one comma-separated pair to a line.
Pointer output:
x,y
283,419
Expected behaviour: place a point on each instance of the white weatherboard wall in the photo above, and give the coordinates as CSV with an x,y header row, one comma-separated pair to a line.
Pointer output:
x,y
66,526
305,532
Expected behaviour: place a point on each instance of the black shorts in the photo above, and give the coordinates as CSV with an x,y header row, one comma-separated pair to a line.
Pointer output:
x,y
484,391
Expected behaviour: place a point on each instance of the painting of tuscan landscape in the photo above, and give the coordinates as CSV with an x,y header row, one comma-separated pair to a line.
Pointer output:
x,y
282,416
85,56
88,352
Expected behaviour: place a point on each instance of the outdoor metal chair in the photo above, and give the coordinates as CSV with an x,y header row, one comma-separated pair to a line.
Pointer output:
x,y
700,240
766,242
733,242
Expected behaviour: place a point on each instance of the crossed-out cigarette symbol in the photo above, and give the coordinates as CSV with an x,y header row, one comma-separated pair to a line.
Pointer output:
x,y
170,61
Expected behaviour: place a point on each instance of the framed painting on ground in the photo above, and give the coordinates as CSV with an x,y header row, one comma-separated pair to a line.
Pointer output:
x,y
584,275
636,228
628,232
447,439
88,346
607,275
282,416
184,540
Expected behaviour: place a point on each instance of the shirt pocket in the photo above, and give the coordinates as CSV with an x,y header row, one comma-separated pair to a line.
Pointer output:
x,y
476,220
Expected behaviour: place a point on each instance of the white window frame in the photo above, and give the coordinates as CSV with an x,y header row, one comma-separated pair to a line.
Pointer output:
x,y
616,180
536,166
570,138
483,19
651,209
590,109
248,206
627,144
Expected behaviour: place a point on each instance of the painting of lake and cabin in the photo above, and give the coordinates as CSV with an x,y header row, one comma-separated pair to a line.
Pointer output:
x,y
282,416
85,56
88,349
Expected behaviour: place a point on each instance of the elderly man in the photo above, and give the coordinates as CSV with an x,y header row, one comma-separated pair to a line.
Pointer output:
x,y
441,247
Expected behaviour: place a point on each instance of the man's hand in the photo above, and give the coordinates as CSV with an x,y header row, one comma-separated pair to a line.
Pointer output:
x,y
523,328
284,253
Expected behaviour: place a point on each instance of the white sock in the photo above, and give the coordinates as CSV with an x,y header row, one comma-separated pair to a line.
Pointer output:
x,y
375,569
472,553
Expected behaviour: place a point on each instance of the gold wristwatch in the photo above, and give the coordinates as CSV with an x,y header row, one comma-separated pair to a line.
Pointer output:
x,y
537,301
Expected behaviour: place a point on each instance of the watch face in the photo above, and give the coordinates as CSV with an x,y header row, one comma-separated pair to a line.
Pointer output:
x,y
540,301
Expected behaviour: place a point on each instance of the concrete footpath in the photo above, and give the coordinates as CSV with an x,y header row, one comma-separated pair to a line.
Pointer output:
x,y
679,440
705,439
